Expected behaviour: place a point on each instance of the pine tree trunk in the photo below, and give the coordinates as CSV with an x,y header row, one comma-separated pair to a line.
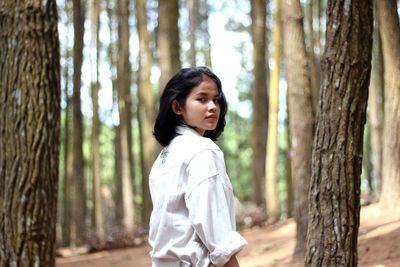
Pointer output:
x,y
334,213
193,10
29,132
168,39
301,112
146,104
124,106
271,170
390,33
96,161
260,100
79,197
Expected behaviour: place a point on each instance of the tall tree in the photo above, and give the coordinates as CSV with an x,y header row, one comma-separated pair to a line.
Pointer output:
x,y
168,39
375,105
204,31
146,114
193,10
301,112
95,86
125,110
334,211
271,170
79,210
259,99
390,33
29,132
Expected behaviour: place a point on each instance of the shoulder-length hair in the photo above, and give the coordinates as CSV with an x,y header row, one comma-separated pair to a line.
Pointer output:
x,y
178,88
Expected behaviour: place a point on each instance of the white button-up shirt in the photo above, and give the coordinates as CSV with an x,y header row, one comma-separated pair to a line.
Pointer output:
x,y
193,218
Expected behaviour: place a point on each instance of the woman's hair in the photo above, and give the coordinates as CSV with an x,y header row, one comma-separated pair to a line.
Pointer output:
x,y
178,88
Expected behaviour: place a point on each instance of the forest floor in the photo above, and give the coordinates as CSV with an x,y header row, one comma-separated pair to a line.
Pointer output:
x,y
378,246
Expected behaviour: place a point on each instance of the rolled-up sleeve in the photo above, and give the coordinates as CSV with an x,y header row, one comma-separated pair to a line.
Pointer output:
x,y
210,204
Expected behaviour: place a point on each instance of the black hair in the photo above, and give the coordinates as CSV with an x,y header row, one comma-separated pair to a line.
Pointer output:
x,y
178,88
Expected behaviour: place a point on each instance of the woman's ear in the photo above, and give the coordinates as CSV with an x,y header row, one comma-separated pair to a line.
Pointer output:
x,y
176,107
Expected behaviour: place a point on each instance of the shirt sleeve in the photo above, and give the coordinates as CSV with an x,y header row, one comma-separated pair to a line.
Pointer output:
x,y
210,203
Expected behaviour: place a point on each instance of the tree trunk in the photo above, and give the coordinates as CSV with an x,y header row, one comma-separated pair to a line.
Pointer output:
x,y
79,197
193,10
124,107
334,213
390,33
204,29
168,39
146,104
260,100
95,52
271,172
29,132
301,112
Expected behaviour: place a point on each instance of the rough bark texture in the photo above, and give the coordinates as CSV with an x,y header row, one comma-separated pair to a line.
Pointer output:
x,y
29,132
146,104
79,194
271,170
337,154
300,105
124,108
390,34
260,100
168,39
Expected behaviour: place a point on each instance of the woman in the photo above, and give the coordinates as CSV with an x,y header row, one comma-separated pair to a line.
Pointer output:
x,y
193,218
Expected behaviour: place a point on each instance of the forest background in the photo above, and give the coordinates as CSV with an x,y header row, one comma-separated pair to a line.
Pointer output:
x,y
287,102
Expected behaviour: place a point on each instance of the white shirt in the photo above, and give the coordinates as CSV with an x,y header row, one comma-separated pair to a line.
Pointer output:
x,y
193,218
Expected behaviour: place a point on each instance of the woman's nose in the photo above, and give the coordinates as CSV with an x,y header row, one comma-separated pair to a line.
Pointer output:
x,y
212,106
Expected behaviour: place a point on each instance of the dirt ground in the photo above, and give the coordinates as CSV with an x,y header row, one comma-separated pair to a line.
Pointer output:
x,y
379,246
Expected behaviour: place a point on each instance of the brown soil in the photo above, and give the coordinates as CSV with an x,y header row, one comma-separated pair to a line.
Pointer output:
x,y
379,245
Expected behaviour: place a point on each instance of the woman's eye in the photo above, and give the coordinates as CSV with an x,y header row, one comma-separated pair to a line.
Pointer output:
x,y
202,100
216,100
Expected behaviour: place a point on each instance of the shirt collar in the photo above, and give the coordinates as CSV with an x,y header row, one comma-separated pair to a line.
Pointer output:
x,y
184,129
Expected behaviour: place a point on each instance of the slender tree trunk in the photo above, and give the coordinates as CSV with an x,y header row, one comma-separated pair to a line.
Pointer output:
x,y
260,100
168,39
288,164
271,172
390,32
124,106
334,213
29,132
376,109
193,10
300,104
146,104
204,28
79,197
95,49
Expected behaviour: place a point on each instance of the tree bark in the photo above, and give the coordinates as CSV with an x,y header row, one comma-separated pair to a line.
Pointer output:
x,y
168,39
29,132
271,172
146,104
334,211
390,34
79,195
124,108
300,105
259,99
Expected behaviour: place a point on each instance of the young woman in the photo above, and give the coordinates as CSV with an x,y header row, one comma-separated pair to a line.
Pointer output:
x,y
193,218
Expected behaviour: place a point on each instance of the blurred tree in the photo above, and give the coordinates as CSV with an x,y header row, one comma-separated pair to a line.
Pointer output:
x,y
95,86
390,32
259,100
193,10
29,132
125,117
78,194
146,104
301,123
271,173
168,39
375,106
334,213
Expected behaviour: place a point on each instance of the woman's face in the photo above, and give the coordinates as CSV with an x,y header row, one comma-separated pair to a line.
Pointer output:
x,y
201,109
